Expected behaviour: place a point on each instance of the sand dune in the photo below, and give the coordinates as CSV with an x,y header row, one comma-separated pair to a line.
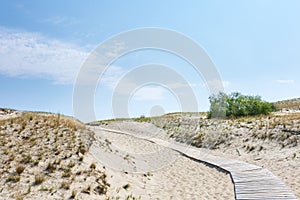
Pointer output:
x,y
170,175
44,156
120,166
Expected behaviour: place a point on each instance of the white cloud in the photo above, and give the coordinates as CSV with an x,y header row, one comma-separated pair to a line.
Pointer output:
x,y
149,93
31,54
285,81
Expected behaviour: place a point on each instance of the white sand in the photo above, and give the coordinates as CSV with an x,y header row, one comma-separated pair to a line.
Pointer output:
x,y
135,168
154,172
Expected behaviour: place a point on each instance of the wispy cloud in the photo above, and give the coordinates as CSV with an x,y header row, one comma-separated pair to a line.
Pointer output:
x,y
32,54
111,76
285,81
149,93
60,20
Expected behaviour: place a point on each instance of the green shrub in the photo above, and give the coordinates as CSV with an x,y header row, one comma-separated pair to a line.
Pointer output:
x,y
238,105
142,118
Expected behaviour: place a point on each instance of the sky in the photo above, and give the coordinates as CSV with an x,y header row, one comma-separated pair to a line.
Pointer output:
x,y
254,44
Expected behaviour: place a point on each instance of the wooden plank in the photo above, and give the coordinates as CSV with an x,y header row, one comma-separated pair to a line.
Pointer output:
x,y
263,197
261,181
245,189
249,197
271,186
264,192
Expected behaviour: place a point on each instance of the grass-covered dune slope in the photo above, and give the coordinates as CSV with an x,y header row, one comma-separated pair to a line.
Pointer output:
x,y
42,157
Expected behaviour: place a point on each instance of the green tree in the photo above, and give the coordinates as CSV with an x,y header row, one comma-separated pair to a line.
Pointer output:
x,y
238,105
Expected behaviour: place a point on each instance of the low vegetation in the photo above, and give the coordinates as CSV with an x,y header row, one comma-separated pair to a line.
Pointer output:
x,y
42,157
291,104
198,130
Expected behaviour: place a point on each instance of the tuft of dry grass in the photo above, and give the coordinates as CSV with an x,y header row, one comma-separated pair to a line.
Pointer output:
x,y
66,173
73,194
20,169
87,190
71,164
39,179
93,166
65,185
100,189
13,178
51,167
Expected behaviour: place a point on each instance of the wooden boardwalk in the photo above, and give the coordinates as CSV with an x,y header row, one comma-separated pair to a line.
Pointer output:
x,y
250,181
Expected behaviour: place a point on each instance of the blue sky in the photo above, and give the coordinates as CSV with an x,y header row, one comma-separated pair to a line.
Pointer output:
x,y
254,44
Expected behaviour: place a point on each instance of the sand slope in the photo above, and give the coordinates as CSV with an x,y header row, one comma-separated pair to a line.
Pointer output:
x,y
169,176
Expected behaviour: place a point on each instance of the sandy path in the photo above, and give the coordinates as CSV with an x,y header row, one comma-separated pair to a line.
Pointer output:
x,y
155,172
